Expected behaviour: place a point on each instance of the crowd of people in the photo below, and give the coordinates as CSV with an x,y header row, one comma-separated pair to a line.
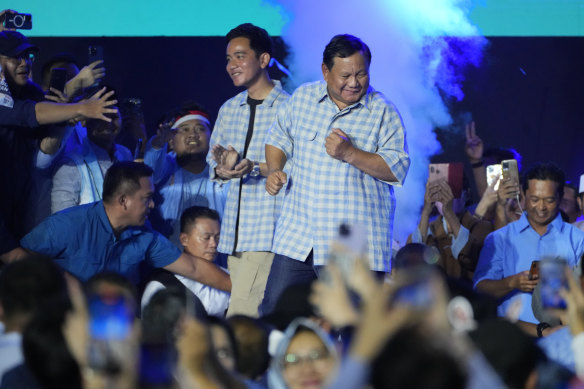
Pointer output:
x,y
256,250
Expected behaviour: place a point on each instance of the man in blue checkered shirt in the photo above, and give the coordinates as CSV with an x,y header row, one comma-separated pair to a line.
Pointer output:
x,y
237,154
348,149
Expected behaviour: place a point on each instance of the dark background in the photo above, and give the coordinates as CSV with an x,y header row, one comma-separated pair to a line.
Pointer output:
x,y
527,94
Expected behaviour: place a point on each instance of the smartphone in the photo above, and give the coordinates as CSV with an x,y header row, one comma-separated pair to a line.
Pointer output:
x,y
18,21
349,246
534,270
552,277
509,169
110,325
494,173
94,53
58,79
417,292
452,172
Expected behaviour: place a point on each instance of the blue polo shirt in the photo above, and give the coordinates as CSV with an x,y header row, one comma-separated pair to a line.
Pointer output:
x,y
511,249
81,240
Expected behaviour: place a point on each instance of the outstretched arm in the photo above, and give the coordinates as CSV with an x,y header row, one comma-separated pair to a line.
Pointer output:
x,y
200,270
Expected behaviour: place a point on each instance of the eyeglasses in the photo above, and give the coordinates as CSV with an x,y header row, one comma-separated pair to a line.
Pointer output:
x,y
27,57
294,361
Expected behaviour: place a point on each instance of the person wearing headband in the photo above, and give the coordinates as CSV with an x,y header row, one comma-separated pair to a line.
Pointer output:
x,y
182,175
237,156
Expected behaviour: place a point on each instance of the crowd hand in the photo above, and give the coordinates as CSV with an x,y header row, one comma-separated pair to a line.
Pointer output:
x,y
76,326
338,145
331,299
164,133
429,196
275,181
226,158
508,189
444,194
2,18
98,105
574,297
521,281
379,319
489,198
88,75
242,168
474,145
57,96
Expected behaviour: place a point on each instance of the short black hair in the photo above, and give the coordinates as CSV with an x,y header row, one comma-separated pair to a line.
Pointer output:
x,y
344,46
26,284
191,214
545,171
124,177
259,39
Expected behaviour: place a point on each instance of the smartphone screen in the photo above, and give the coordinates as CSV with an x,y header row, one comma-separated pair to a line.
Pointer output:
x,y
494,173
552,278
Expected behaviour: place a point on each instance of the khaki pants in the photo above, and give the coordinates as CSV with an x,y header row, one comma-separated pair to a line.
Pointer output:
x,y
249,274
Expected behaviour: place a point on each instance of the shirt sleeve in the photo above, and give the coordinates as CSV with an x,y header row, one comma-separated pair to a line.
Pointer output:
x,y
159,161
578,348
490,265
21,114
161,252
392,146
279,134
460,241
48,238
66,189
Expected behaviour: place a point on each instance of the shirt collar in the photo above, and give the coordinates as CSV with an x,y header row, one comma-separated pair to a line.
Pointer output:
x,y
128,232
364,101
270,98
557,223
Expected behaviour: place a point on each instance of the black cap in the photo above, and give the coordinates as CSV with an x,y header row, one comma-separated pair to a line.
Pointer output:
x,y
13,43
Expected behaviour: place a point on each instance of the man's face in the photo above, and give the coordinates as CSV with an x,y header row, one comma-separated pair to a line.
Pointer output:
x,y
139,204
569,203
104,133
243,65
202,239
541,202
16,69
348,79
191,138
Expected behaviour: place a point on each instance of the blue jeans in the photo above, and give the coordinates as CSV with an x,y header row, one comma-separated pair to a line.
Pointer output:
x,y
285,272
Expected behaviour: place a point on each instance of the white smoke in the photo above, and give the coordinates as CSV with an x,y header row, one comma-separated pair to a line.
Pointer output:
x,y
410,57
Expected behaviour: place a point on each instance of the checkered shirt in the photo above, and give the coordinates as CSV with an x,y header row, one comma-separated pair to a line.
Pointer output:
x,y
323,192
259,211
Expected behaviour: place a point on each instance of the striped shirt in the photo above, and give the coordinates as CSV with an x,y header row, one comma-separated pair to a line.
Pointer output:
x,y
323,192
259,210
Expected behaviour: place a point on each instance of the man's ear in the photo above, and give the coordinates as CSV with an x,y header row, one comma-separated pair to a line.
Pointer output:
x,y
579,201
122,199
184,239
265,60
325,71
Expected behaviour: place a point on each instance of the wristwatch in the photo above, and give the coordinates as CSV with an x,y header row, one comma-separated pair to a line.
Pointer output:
x,y
256,169
540,327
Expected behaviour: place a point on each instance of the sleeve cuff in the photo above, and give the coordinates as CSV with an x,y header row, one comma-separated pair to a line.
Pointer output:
x,y
460,241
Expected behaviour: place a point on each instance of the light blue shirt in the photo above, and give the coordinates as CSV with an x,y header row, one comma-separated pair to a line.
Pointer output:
x,y
81,241
258,210
322,192
511,249
179,190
